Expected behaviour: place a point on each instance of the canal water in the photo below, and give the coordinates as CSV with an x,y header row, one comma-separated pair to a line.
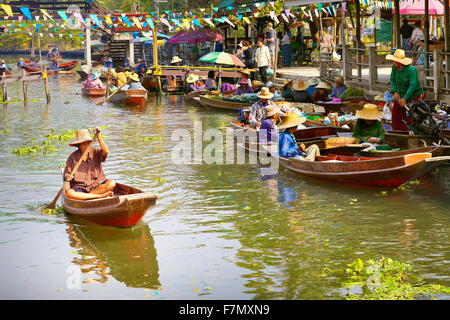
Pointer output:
x,y
216,231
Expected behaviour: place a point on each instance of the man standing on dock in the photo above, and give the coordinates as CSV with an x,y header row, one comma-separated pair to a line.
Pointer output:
x,y
263,60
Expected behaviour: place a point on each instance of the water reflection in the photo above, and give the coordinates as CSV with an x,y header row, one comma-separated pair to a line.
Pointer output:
x,y
128,255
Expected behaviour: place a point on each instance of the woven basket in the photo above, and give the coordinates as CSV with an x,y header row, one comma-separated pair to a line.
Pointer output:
x,y
339,141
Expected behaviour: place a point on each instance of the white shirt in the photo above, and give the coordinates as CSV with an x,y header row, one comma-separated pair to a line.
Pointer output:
x,y
262,56
417,35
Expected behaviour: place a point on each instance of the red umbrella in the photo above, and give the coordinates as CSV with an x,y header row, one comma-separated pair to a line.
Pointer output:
x,y
200,35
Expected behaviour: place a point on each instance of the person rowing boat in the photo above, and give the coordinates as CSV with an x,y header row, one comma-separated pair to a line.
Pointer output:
x,y
89,182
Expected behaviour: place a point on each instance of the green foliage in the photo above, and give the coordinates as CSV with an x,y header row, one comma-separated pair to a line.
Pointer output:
x,y
352,92
53,212
151,139
403,187
387,279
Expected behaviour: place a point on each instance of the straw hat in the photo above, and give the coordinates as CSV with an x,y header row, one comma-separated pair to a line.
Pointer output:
x,y
300,85
370,112
265,93
286,82
399,56
339,80
313,82
81,136
256,83
271,110
192,78
176,59
243,81
290,120
134,77
245,71
323,85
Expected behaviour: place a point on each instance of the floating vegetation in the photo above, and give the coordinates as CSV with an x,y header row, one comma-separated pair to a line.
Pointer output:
x,y
387,279
52,143
159,180
151,139
403,187
5,131
53,212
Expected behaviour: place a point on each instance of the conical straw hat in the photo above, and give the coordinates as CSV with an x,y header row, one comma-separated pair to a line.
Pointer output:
x,y
370,112
265,93
81,136
291,119
399,56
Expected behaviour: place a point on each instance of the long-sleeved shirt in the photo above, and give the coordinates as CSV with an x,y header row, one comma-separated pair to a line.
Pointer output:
x,y
311,90
405,82
93,84
258,112
262,56
362,131
241,90
121,78
417,35
265,131
337,92
287,146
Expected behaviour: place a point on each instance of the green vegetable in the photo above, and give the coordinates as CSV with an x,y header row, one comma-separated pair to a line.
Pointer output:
x,y
352,92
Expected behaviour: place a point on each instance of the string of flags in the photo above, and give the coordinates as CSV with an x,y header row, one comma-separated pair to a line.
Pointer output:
x,y
173,20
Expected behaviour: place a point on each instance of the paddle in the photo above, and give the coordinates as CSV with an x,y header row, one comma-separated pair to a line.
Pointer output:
x,y
53,203
104,100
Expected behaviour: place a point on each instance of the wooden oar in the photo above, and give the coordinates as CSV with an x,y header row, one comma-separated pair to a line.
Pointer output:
x,y
104,100
53,203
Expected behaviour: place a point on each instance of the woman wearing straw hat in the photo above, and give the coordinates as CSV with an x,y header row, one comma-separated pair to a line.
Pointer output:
x,y
89,182
299,93
368,128
244,87
93,81
406,87
192,81
312,84
286,92
338,89
258,111
287,145
321,93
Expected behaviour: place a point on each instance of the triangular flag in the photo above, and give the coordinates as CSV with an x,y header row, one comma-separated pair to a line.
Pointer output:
x,y
26,12
229,22
63,15
79,17
7,9
247,20
285,18
37,18
166,23
137,22
108,20
150,23
45,13
20,18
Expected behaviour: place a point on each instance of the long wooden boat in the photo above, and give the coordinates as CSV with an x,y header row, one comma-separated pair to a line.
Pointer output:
x,y
374,172
127,254
222,104
61,67
125,209
436,151
130,97
193,94
93,92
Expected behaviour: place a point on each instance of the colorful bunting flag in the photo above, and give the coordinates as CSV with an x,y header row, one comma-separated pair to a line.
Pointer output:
x,y
26,12
7,9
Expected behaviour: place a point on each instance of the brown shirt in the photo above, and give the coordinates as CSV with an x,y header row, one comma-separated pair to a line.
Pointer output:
x,y
90,172
319,97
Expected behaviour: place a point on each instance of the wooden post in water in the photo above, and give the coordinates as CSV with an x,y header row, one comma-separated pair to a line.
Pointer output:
x,y
4,92
47,91
156,62
24,86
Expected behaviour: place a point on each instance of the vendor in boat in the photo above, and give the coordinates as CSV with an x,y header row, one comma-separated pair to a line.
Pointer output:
x,y
273,89
258,111
405,86
287,145
109,63
21,63
312,86
120,76
210,83
244,87
338,89
321,93
286,92
193,84
135,83
93,81
368,127
140,67
3,68
268,125
299,93
89,182
85,68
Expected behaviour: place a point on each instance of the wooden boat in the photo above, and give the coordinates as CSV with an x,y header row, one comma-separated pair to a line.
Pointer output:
x,y
93,92
193,94
375,172
222,104
106,249
130,97
125,209
61,67
436,151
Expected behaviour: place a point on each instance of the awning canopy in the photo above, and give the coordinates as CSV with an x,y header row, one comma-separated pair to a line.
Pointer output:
x,y
296,3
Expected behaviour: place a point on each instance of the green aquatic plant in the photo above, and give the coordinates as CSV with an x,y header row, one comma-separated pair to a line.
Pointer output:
x,y
387,279
53,212
402,187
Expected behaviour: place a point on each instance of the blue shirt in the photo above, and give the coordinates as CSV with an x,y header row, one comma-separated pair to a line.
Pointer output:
x,y
337,92
287,146
311,90
388,96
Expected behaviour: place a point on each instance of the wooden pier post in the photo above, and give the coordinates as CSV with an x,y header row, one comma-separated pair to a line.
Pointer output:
x,y
47,90
87,44
24,86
